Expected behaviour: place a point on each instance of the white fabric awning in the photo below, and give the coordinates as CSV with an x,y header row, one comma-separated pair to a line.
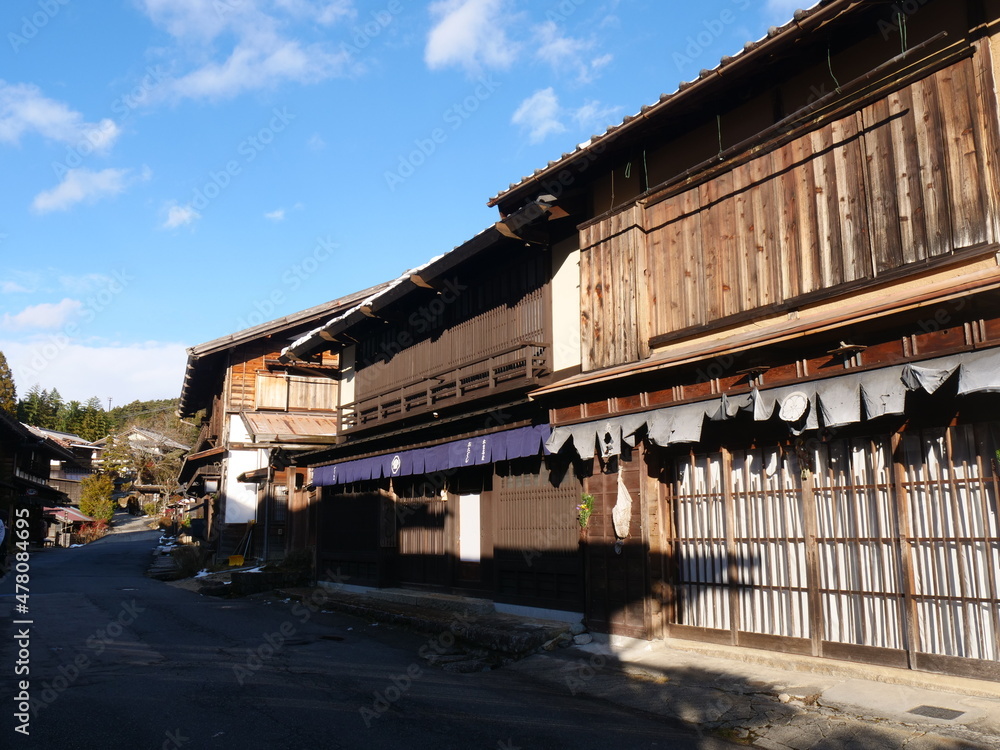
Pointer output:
x,y
832,402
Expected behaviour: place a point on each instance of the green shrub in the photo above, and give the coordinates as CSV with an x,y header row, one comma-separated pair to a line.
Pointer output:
x,y
95,497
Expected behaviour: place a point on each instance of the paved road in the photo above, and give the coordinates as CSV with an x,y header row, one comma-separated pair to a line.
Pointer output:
x,y
121,661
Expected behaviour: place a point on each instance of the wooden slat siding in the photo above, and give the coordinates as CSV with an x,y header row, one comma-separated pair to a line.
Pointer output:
x,y
910,198
690,282
929,145
272,392
611,269
827,226
611,285
645,296
988,145
956,87
769,220
423,530
744,239
805,257
499,308
863,195
588,322
887,247
312,394
711,257
734,276
855,234
536,549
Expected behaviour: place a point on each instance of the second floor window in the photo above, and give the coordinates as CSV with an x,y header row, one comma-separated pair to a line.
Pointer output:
x,y
282,392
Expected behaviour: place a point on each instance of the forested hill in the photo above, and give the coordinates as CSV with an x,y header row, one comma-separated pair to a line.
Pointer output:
x,y
91,421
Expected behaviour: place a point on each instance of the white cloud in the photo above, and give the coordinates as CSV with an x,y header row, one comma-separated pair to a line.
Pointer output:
x,y
84,283
262,64
316,142
601,61
21,282
247,45
276,215
45,316
80,185
470,34
596,117
323,13
152,369
24,109
564,54
539,115
179,216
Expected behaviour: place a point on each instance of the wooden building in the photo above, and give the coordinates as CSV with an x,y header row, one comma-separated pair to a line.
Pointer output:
x,y
439,479
789,308
67,475
256,414
25,462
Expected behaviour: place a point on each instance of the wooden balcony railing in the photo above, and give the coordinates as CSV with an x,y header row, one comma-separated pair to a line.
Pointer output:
x,y
519,366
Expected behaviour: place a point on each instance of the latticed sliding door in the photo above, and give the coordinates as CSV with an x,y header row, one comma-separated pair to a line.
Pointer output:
x,y
770,543
701,550
857,537
951,501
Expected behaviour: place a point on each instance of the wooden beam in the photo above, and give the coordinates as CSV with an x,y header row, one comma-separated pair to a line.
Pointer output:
x,y
420,281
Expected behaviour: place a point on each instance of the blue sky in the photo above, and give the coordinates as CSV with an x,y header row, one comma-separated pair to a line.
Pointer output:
x,y
177,170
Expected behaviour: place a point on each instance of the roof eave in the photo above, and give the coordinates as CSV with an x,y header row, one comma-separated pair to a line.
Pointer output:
x,y
802,22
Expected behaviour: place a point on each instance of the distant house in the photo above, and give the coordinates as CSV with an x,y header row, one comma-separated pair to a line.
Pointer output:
x,y
257,413
64,475
141,452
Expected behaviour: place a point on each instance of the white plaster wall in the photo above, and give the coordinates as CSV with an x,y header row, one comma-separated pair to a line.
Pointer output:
x,y
566,305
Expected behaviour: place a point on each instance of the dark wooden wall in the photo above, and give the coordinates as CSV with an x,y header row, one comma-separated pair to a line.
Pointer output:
x,y
908,178
480,313
536,535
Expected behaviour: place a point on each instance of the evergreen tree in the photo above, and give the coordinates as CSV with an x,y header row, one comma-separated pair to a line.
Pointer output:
x,y
53,410
73,418
8,393
94,422
30,408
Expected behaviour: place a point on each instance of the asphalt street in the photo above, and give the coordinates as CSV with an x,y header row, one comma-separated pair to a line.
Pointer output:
x,y
117,660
